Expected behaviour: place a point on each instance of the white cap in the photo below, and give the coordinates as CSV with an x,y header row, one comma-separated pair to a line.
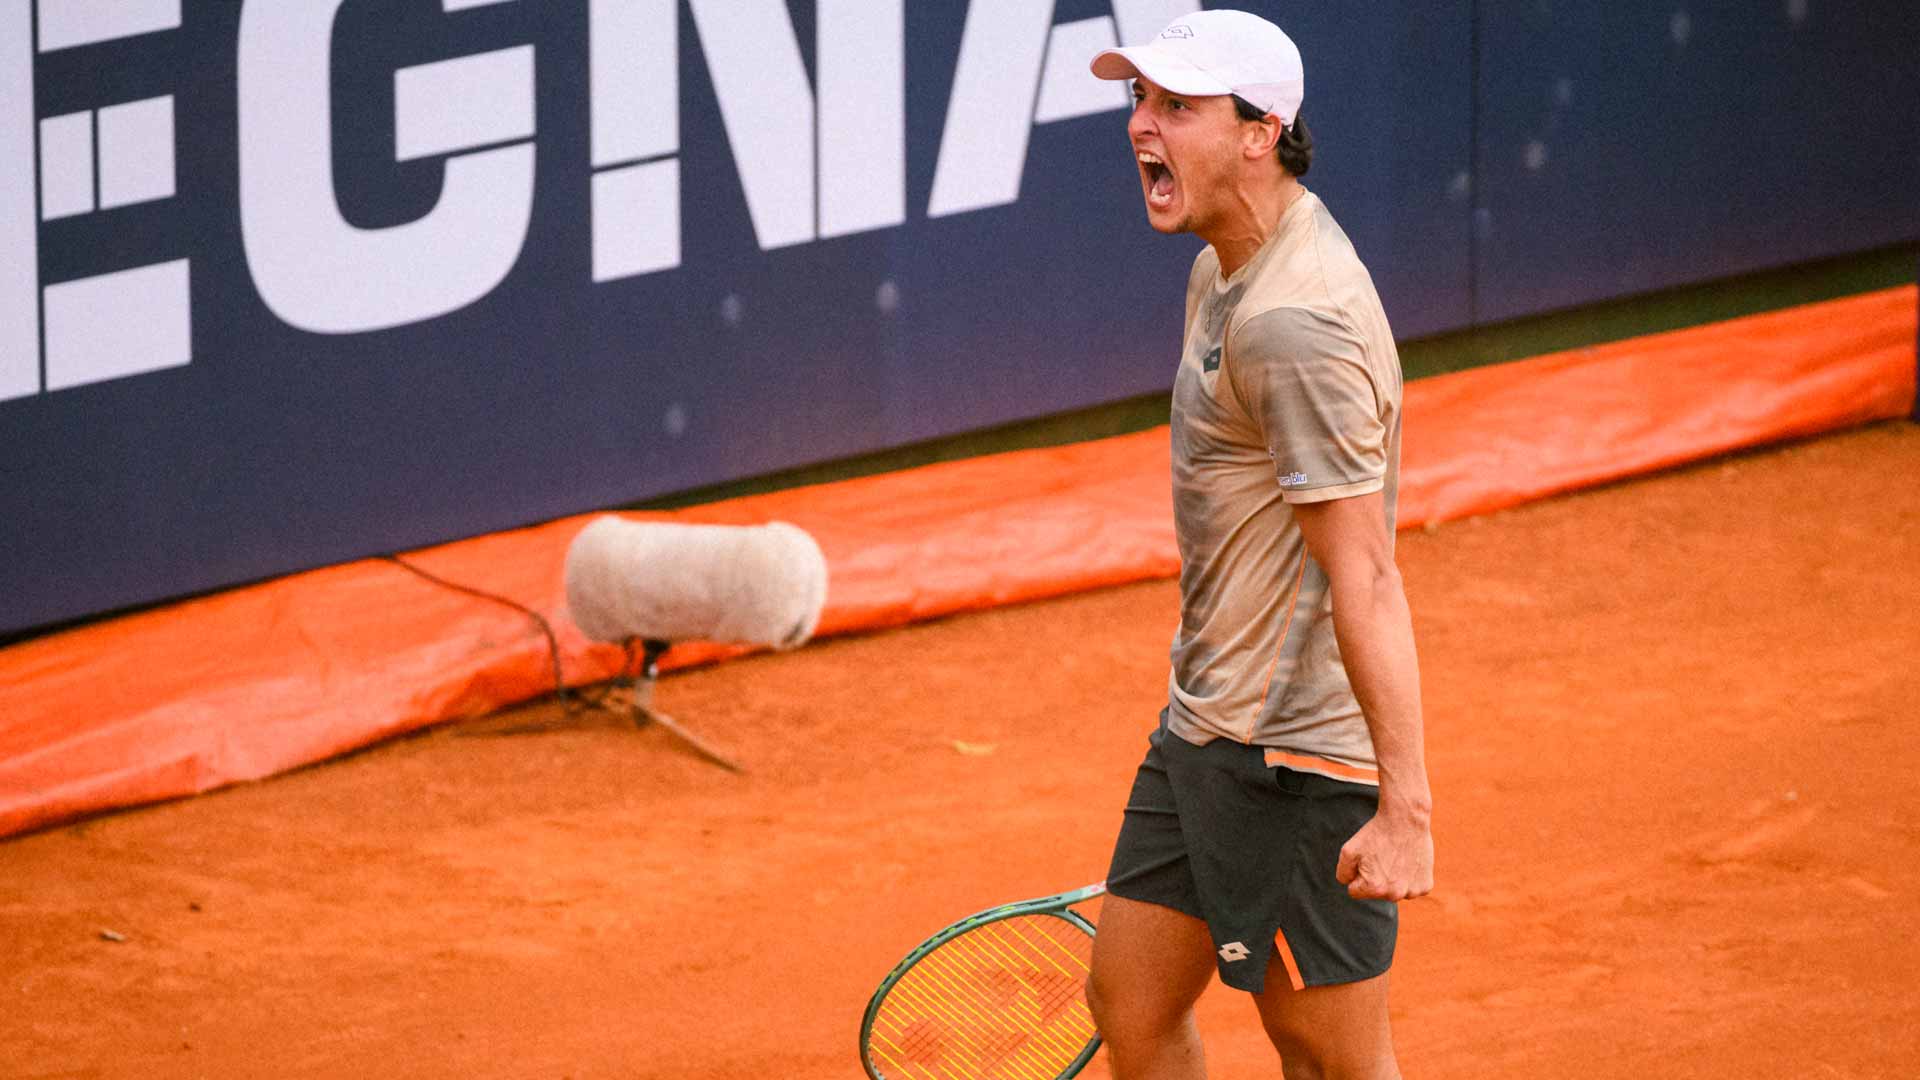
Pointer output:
x,y
1210,53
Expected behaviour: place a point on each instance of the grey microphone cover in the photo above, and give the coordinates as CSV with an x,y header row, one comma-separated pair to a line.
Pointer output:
x,y
745,584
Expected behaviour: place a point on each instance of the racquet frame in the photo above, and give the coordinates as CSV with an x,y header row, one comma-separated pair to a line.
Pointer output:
x,y
1060,904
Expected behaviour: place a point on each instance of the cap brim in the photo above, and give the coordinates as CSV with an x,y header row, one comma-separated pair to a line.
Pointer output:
x,y
1163,69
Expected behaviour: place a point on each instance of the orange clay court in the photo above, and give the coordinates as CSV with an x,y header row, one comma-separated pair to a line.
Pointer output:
x,y
1671,730
1673,739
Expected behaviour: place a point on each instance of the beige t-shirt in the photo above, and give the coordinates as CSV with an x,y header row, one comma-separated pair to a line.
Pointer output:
x,y
1288,392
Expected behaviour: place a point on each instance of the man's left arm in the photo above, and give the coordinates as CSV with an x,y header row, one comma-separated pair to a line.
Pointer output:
x,y
1391,857
1305,382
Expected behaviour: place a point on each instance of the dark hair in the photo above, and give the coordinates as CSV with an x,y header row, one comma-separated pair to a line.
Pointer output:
x,y
1295,148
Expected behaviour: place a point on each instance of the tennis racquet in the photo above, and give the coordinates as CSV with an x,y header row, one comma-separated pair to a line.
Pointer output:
x,y
999,994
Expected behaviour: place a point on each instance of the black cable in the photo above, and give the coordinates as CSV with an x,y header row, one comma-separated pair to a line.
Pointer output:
x,y
572,700
553,640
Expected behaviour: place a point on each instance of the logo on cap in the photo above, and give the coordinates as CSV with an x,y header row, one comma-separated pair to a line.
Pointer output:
x,y
1177,30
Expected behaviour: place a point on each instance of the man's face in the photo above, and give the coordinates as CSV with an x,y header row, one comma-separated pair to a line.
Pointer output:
x,y
1187,149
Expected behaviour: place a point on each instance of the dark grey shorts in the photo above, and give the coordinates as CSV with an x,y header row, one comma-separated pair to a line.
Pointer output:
x,y
1251,850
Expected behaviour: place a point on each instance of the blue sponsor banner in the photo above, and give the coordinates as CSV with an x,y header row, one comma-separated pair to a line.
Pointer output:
x,y
305,280
290,282
1642,144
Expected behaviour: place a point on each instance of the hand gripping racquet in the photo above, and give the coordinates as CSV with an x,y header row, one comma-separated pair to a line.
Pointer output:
x,y
1000,994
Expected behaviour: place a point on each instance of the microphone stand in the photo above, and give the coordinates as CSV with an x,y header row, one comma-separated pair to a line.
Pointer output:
x,y
644,713
639,687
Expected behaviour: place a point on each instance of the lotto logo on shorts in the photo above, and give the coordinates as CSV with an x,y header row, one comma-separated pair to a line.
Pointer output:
x,y
1233,951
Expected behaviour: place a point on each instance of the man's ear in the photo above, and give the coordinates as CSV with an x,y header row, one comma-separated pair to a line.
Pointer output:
x,y
1259,138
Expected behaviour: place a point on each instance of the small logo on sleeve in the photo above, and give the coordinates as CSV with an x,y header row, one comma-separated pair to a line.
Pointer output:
x,y
1211,362
1233,951
1293,479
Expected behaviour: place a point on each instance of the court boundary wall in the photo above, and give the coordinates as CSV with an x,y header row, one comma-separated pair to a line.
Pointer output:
x,y
255,681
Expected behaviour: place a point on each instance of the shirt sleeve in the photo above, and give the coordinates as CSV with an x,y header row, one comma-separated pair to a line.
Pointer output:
x,y
1306,385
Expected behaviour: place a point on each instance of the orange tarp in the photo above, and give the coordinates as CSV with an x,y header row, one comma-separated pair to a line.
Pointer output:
x,y
1491,437
262,679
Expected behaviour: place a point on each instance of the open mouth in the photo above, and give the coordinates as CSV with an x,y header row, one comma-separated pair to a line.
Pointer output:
x,y
1158,179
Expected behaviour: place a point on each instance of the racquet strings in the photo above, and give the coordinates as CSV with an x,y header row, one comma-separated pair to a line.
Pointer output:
x,y
1005,999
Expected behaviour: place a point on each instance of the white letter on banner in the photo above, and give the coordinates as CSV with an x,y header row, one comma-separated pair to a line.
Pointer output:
x,y
314,269
767,107
111,326
1067,88
983,150
633,68
495,92
769,112
66,165
19,229
136,152
633,76
999,91
863,115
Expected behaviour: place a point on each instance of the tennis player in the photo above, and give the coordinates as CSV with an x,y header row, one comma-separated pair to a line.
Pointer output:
x,y
1283,806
